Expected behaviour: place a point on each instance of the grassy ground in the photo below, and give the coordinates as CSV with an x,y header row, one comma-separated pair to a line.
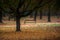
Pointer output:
x,y
41,30
30,35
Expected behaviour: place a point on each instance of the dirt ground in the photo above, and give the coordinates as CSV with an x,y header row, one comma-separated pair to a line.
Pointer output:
x,y
41,30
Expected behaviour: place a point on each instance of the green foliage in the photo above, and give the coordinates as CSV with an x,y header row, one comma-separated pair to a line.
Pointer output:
x,y
1,3
32,3
57,4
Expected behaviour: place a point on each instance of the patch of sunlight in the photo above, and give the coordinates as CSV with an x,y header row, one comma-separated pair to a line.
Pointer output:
x,y
48,24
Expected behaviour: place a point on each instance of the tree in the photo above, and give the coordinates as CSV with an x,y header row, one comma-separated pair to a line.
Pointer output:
x,y
1,9
21,14
41,14
18,15
49,14
49,9
57,7
0,15
35,16
21,11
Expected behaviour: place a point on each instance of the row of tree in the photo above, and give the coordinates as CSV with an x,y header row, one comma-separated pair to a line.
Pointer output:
x,y
23,8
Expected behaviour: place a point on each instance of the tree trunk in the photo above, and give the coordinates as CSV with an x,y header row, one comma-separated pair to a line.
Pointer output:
x,y
40,14
9,17
18,24
35,16
49,15
18,16
18,20
0,16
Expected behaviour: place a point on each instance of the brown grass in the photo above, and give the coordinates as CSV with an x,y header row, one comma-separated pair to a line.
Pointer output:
x,y
29,35
30,31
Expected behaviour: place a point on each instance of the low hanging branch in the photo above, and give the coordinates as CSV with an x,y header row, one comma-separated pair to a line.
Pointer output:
x,y
21,2
27,6
40,4
30,11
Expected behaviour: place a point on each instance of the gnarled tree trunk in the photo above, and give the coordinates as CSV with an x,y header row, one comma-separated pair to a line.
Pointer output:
x,y
18,24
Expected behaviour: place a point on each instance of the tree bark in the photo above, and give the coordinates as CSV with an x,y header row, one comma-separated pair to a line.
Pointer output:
x,y
0,15
35,16
18,16
18,24
49,15
40,14
18,20
9,17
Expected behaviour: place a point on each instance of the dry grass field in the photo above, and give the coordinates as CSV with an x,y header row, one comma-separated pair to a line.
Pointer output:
x,y
41,30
